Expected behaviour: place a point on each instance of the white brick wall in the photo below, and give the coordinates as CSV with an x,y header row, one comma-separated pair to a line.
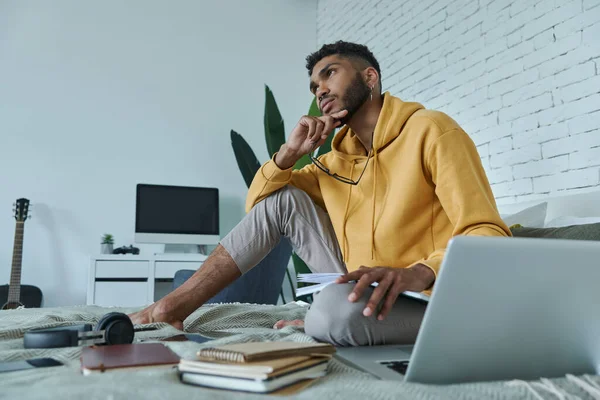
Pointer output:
x,y
522,77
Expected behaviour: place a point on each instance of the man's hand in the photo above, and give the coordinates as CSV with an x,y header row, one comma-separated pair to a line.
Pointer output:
x,y
309,133
156,313
391,282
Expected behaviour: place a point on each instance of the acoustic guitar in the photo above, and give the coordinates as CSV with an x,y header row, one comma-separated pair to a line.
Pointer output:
x,y
15,295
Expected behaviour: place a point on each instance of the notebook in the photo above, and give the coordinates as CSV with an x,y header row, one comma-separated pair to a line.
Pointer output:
x,y
323,280
254,351
252,384
135,355
255,370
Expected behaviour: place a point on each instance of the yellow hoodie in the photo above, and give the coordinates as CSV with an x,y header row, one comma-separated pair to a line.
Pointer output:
x,y
424,184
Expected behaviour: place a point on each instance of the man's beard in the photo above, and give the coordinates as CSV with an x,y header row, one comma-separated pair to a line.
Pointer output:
x,y
356,95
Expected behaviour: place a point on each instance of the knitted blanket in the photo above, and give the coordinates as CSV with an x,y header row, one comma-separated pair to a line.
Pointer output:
x,y
227,323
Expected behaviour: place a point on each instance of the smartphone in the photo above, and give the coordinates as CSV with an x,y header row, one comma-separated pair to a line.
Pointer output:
x,y
8,366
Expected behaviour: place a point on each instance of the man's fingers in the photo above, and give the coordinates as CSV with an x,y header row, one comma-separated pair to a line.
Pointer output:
x,y
390,299
354,275
378,295
312,126
334,124
339,114
351,276
318,130
363,283
327,127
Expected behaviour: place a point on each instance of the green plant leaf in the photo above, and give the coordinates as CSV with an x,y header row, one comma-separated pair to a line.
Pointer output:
x,y
246,159
313,110
304,160
299,265
107,239
274,129
326,147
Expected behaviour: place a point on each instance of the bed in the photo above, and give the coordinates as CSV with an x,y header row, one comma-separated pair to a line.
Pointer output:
x,y
229,323
577,208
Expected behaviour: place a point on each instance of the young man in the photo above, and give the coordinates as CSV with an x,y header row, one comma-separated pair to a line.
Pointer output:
x,y
399,182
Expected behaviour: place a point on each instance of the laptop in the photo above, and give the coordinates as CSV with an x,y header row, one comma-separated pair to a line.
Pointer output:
x,y
502,308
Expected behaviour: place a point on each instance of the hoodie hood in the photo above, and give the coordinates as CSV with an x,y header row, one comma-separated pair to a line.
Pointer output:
x,y
392,118
347,146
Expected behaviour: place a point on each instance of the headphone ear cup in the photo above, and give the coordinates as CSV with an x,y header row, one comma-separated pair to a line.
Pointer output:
x,y
118,328
107,318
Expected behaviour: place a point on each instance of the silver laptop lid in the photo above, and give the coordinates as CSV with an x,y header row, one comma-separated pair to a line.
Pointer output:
x,y
507,308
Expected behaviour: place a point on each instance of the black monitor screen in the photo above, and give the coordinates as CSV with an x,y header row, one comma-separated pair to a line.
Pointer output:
x,y
177,209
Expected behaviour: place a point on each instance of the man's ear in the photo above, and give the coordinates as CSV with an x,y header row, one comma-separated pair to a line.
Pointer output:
x,y
372,77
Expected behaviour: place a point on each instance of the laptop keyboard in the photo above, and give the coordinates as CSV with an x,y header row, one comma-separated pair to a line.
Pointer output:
x,y
398,366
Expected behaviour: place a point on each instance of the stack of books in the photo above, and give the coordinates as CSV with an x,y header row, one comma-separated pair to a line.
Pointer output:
x,y
260,367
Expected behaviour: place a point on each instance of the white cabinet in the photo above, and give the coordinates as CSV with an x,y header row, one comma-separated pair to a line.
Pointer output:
x,y
124,294
122,269
127,280
167,269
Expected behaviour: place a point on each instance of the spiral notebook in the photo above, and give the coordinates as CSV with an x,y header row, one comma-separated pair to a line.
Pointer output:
x,y
264,369
254,351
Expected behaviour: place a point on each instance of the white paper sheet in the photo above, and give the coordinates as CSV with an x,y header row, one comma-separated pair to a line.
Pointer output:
x,y
324,279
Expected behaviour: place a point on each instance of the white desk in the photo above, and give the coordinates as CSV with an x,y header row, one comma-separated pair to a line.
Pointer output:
x,y
128,280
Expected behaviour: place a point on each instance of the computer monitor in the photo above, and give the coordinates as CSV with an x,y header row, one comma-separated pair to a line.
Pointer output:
x,y
176,215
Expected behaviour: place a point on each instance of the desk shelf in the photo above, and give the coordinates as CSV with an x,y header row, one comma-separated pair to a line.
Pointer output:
x,y
126,280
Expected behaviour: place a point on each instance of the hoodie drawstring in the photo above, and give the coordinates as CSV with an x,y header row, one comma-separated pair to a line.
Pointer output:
x,y
344,239
348,147
374,191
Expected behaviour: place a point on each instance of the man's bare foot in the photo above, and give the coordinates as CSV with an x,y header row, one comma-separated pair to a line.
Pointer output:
x,y
283,323
155,313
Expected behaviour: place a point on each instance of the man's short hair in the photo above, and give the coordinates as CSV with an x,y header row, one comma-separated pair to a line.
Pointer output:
x,y
352,51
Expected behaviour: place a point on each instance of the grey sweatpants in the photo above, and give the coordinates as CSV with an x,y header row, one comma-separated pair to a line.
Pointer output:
x,y
290,212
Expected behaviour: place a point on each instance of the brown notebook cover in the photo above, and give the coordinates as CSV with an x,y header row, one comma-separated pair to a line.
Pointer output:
x,y
254,351
105,358
256,369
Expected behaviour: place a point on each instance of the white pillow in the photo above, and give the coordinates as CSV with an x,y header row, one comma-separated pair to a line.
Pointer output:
x,y
532,217
559,222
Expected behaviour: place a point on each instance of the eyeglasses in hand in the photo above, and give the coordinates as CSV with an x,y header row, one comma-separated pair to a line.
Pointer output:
x,y
340,178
